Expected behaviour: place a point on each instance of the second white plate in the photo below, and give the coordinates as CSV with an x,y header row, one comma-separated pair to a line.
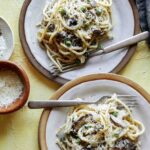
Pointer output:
x,y
92,90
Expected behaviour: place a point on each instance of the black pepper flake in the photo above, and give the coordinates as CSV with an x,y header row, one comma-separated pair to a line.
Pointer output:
x,y
72,22
51,28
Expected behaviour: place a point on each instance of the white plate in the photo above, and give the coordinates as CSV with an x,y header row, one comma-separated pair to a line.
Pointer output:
x,y
92,88
123,27
7,38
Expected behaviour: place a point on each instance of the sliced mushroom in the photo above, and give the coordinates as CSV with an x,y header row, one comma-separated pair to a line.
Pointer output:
x,y
80,122
51,28
97,33
125,144
72,22
118,121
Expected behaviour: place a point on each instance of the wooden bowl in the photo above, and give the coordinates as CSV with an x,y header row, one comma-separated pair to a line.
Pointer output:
x,y
19,102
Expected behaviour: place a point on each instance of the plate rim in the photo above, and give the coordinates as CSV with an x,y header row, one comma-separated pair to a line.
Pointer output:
x,y
11,50
104,76
61,80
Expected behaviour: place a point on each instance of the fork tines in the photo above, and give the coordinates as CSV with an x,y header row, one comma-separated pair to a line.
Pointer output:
x,y
129,100
54,70
65,68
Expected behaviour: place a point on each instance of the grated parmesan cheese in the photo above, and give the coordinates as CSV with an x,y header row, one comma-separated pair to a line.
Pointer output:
x,y
11,87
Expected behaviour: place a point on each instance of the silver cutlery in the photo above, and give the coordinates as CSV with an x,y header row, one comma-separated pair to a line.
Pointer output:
x,y
124,43
129,100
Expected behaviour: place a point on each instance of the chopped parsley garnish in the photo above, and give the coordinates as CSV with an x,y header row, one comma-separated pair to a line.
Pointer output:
x,y
78,140
67,42
86,26
62,11
98,11
87,127
116,135
83,9
115,113
78,62
99,47
73,118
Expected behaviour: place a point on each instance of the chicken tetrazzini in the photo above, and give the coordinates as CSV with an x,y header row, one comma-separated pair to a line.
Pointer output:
x,y
105,126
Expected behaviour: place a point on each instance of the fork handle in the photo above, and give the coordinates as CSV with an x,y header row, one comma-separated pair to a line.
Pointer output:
x,y
55,103
127,42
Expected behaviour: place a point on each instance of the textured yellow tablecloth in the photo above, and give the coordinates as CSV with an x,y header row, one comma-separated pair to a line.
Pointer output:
x,y
19,130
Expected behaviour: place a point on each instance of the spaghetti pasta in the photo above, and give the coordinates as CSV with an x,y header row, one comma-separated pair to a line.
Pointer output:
x,y
105,126
72,28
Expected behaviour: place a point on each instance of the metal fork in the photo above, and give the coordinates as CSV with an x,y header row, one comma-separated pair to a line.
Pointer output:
x,y
127,42
129,100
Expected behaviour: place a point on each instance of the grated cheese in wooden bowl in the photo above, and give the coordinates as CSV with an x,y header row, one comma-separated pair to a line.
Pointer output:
x,y
11,87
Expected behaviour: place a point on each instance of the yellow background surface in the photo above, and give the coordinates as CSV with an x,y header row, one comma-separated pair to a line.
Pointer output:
x,y
19,130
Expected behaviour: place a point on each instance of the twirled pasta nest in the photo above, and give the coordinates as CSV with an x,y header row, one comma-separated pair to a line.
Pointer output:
x,y
71,28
